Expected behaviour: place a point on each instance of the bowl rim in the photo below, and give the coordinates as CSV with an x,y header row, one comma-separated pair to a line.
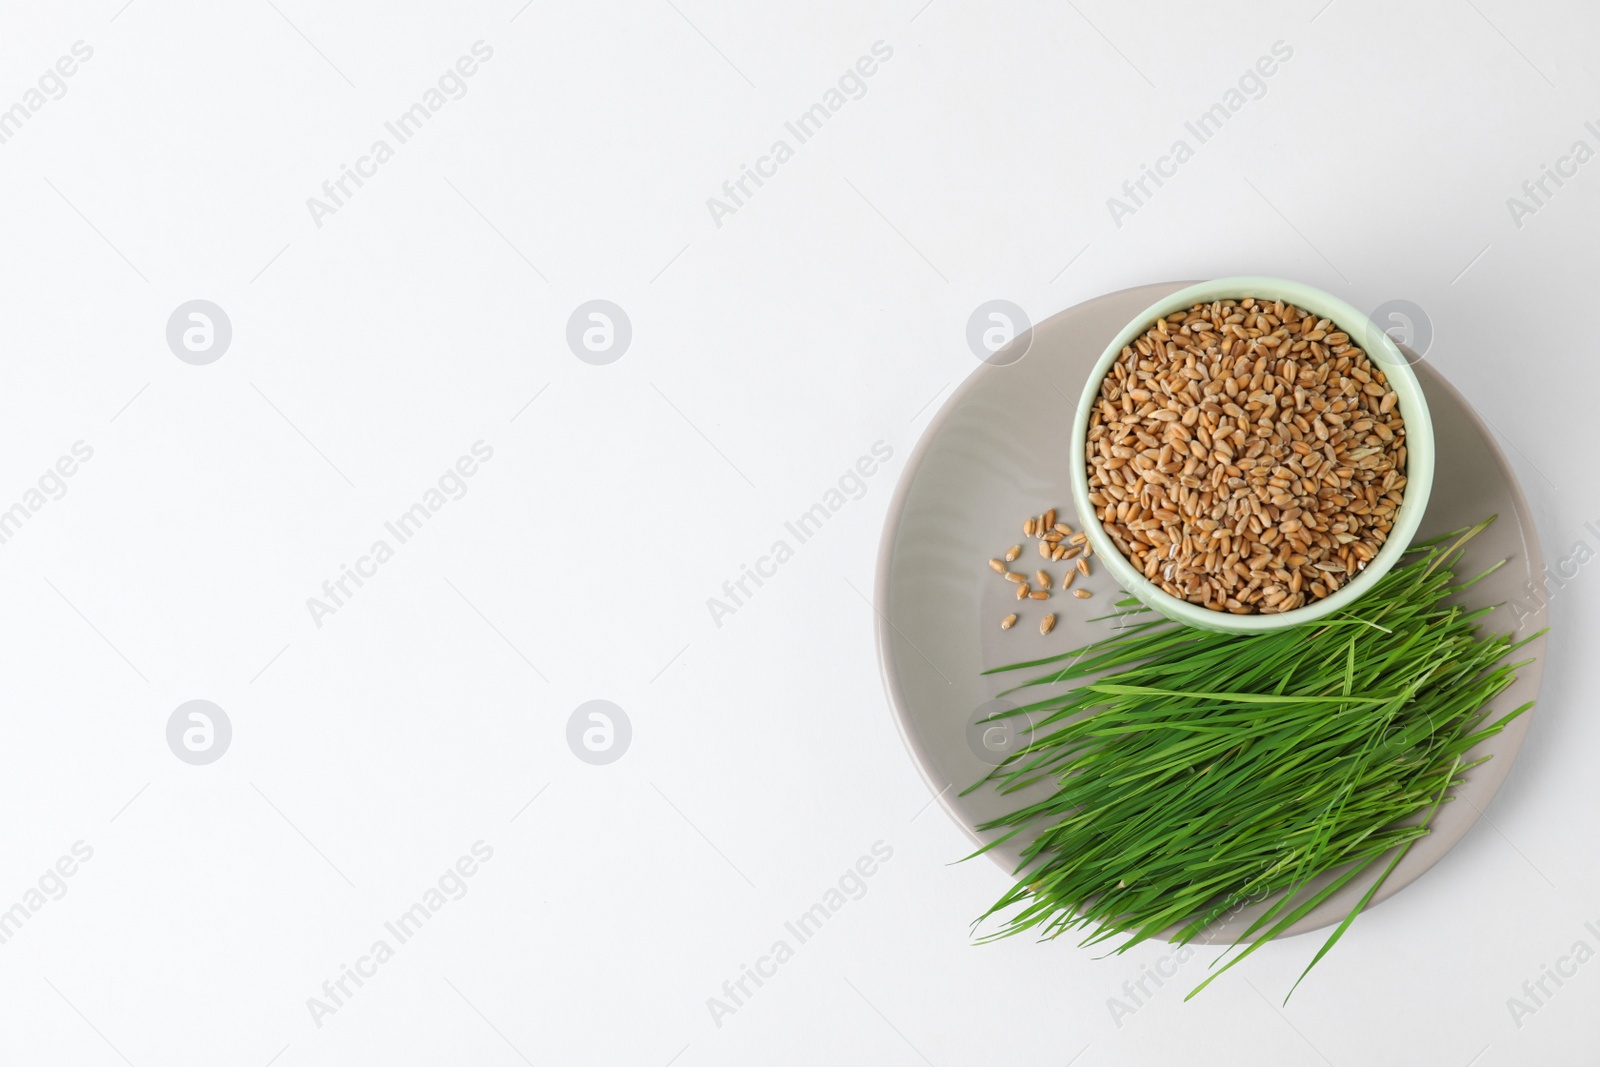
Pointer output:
x,y
1380,348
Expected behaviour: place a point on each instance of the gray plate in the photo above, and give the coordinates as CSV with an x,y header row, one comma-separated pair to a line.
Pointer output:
x,y
997,452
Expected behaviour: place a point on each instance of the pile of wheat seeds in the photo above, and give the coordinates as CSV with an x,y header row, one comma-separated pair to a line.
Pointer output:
x,y
1246,456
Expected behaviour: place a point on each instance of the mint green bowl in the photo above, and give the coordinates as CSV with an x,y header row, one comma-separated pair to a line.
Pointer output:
x,y
1380,348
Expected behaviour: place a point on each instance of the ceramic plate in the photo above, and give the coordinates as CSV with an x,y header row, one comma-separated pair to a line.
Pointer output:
x,y
996,452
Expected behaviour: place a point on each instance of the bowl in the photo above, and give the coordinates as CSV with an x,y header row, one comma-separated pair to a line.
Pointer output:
x,y
1380,349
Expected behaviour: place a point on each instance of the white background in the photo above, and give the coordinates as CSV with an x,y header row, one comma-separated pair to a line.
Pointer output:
x,y
827,313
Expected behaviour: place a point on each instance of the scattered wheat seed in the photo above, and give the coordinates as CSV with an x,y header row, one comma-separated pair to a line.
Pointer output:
x,y
1042,578
996,566
1082,594
1049,518
1027,528
1039,594
1045,549
1079,538
1008,622
1013,576
1047,624
1063,529
1083,566
1022,591
1058,552
1067,579
1013,552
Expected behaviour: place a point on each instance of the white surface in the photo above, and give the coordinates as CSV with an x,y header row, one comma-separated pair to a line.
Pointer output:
x,y
768,354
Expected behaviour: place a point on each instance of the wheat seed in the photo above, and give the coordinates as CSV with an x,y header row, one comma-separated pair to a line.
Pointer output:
x,y
1042,578
1008,622
1013,552
1047,624
1082,594
1013,576
996,566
